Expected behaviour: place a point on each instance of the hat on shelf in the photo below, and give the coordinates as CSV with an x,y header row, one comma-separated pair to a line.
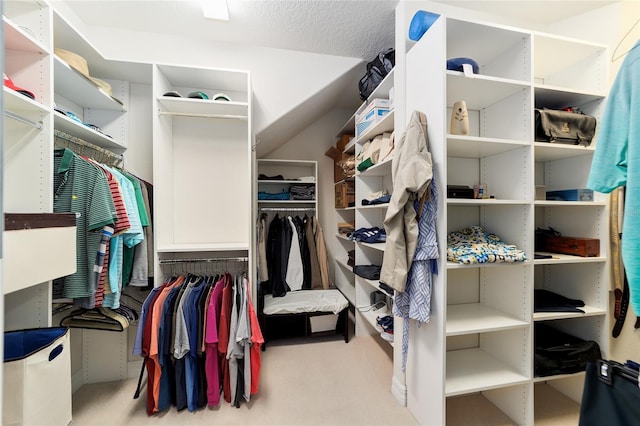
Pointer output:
x,y
79,64
198,95
457,64
221,97
172,94
11,85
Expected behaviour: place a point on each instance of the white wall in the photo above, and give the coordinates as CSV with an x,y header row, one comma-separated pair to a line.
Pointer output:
x,y
311,144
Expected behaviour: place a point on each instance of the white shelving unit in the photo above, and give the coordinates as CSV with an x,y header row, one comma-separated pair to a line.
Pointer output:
x,y
377,177
479,345
202,164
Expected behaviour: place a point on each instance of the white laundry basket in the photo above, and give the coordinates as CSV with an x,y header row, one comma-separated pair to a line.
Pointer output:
x,y
37,377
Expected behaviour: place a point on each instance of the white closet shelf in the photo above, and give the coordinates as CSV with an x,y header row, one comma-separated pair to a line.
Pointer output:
x,y
485,201
551,203
213,247
480,147
380,169
375,246
15,38
21,104
203,108
474,370
371,316
573,51
346,209
560,97
454,265
589,311
551,405
545,151
384,125
344,265
567,258
480,91
80,90
286,202
286,181
81,131
373,283
345,238
471,318
383,206
558,377
348,290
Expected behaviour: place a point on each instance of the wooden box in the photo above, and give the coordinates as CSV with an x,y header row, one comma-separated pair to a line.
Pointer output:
x,y
578,246
343,142
345,194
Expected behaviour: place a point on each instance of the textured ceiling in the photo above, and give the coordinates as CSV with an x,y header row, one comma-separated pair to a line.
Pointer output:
x,y
352,28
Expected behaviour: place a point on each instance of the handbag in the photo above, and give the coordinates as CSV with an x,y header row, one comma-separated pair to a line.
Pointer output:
x,y
566,127
557,352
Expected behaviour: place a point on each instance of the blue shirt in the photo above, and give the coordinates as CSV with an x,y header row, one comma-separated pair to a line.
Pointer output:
x,y
616,161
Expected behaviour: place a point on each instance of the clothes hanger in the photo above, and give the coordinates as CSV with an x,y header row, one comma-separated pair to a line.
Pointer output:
x,y
613,55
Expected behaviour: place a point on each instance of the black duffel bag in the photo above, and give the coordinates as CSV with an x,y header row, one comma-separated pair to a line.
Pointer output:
x,y
561,353
567,127
377,70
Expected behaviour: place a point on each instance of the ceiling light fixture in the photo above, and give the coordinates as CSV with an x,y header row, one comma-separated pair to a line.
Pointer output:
x,y
215,9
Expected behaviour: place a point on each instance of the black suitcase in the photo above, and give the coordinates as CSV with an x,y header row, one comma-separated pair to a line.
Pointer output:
x,y
561,353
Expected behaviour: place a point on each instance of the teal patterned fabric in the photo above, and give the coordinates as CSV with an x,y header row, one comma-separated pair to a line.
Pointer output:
x,y
474,245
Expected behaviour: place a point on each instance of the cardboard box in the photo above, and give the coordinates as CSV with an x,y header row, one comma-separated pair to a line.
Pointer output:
x,y
345,195
571,195
337,156
343,142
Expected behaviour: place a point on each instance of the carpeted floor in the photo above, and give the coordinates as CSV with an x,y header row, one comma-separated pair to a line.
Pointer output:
x,y
303,382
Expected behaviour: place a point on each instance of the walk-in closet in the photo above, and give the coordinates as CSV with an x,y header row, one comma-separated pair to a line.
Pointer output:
x,y
392,212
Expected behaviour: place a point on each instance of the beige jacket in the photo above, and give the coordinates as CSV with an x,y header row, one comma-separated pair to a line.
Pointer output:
x,y
411,171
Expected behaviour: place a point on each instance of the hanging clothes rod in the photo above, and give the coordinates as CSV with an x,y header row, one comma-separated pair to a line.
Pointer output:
x,y
186,114
37,125
285,209
64,139
204,260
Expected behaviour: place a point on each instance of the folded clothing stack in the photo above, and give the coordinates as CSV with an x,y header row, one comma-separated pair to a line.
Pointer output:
x,y
370,272
283,195
300,191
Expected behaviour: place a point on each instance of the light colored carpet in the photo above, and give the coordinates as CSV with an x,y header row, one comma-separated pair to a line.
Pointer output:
x,y
311,382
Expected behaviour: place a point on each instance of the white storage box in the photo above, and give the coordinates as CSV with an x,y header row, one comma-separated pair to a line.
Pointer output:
x,y
37,377
323,323
369,119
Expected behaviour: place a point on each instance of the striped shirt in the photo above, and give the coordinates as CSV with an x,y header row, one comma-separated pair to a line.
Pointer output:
x,y
81,188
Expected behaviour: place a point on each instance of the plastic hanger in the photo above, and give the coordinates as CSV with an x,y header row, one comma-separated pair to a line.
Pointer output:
x,y
613,55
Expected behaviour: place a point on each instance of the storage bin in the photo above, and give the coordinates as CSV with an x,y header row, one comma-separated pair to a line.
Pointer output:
x,y
37,377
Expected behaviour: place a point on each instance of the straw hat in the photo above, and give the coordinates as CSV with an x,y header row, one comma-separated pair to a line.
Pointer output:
x,y
79,64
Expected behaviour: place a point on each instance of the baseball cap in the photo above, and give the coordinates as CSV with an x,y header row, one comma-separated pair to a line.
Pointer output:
x,y
9,83
198,95
221,97
173,94
456,64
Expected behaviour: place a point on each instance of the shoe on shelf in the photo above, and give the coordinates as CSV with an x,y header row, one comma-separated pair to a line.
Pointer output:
x,y
387,335
384,322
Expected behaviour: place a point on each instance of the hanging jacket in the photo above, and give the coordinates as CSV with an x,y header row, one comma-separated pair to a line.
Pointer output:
x,y
411,172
